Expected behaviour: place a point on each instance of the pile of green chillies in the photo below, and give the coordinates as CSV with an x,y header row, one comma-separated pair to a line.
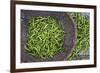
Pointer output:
x,y
82,43
45,37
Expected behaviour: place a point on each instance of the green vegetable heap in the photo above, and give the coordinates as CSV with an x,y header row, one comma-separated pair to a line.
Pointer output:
x,y
82,43
45,37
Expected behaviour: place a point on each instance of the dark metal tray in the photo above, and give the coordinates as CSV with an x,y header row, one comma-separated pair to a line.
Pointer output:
x,y
69,38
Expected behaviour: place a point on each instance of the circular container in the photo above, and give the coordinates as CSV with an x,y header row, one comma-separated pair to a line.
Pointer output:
x,y
69,37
